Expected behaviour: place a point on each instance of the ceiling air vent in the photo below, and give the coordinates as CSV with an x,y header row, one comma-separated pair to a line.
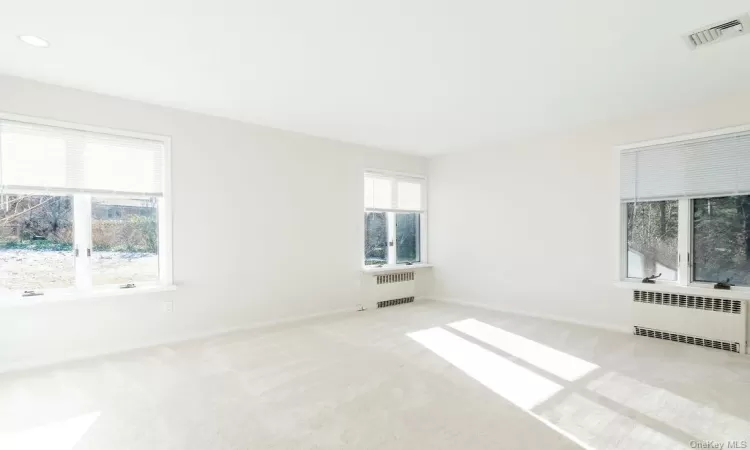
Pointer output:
x,y
719,32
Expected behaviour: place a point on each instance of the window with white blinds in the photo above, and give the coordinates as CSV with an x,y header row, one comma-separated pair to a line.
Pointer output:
x,y
685,205
702,167
82,209
36,157
395,229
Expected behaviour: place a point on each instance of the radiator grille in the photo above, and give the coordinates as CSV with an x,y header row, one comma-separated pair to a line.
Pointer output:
x,y
395,277
686,339
723,305
395,301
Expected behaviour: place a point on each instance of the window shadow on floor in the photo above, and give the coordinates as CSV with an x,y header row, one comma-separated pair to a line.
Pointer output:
x,y
592,406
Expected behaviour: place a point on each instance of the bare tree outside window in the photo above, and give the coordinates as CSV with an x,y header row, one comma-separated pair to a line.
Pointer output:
x,y
721,239
652,239
407,237
376,238
36,242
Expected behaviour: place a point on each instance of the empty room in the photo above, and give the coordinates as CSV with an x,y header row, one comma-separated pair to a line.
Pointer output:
x,y
374,225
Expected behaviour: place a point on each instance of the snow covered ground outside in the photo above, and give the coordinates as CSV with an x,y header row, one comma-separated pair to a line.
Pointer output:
x,y
37,270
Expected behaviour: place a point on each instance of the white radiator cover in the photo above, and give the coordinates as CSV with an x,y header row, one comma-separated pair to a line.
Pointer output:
x,y
693,316
390,286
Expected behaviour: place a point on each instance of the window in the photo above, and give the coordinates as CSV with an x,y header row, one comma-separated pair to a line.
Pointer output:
x,y
36,242
394,219
686,209
652,239
376,238
80,208
125,247
721,239
407,237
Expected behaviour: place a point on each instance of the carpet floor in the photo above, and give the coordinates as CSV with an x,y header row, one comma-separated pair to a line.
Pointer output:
x,y
420,376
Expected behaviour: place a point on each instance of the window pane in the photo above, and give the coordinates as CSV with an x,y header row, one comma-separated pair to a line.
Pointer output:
x,y
409,195
407,237
36,242
376,238
721,239
125,239
652,239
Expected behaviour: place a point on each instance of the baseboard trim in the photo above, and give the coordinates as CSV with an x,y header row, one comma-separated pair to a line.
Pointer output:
x,y
81,357
601,326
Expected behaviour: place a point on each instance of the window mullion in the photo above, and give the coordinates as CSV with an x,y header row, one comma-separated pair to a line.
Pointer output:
x,y
684,231
82,240
391,216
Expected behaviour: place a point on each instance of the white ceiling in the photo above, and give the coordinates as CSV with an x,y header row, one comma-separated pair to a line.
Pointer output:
x,y
418,76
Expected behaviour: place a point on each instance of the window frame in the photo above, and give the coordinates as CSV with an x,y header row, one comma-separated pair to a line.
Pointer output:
x,y
685,220
84,288
623,266
418,241
685,244
691,245
394,178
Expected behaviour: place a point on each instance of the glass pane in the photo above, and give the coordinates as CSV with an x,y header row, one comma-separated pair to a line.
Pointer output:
x,y
409,195
376,238
652,239
407,237
36,242
125,239
378,193
721,239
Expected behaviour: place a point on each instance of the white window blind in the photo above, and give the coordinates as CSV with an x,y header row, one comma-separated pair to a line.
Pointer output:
x,y
378,193
710,166
48,158
393,193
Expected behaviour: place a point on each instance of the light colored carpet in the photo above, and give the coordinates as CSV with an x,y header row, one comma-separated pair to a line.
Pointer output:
x,y
419,376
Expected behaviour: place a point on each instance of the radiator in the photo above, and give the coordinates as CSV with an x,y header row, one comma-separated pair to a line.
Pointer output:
x,y
713,322
391,289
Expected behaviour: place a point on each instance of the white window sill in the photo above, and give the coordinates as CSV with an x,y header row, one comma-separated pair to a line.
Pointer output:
x,y
74,295
734,293
394,268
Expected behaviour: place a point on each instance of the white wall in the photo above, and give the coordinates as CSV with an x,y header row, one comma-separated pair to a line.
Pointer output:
x,y
533,226
267,226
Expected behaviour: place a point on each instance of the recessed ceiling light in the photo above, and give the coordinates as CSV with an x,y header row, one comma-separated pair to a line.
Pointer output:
x,y
35,41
